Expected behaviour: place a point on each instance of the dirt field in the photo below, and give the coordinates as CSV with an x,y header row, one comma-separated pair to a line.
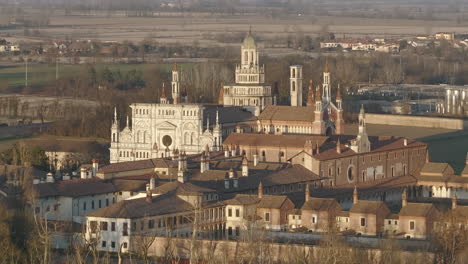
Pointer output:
x,y
186,29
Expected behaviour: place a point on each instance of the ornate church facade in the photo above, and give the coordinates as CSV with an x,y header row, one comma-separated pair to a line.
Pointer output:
x,y
160,130
249,90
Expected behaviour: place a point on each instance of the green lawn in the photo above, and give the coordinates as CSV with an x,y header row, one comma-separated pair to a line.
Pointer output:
x,y
42,74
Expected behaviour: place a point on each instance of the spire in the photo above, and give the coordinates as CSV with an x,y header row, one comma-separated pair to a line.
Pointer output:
x,y
260,190
217,118
208,124
115,114
310,96
307,192
327,69
318,94
338,145
175,68
404,198
355,195
127,122
163,92
338,93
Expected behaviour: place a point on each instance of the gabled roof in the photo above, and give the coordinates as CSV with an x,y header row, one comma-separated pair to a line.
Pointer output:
x,y
287,113
74,188
267,201
180,188
137,165
416,209
436,169
320,204
136,208
367,207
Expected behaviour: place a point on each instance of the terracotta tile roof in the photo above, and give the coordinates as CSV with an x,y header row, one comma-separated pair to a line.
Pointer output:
x,y
367,207
271,140
416,209
215,178
242,199
74,188
461,211
272,201
435,169
287,113
267,201
185,188
227,114
136,208
129,185
137,165
378,144
320,204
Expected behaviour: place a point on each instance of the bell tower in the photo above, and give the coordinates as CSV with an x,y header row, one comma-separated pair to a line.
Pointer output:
x,y
295,82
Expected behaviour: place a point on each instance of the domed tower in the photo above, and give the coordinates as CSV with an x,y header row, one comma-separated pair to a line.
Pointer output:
x,y
249,71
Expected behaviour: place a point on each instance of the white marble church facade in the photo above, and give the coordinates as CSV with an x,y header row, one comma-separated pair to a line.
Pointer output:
x,y
249,90
159,130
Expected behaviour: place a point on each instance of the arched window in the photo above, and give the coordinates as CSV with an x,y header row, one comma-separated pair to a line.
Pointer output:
x,y
350,174
113,137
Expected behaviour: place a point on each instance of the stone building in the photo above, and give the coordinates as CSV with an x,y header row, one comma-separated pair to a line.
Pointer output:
x,y
172,126
320,116
249,89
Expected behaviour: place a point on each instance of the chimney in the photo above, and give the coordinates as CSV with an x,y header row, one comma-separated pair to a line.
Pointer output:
x,y
66,177
260,190
50,177
255,157
95,167
404,198
428,158
245,167
307,193
226,152
405,142
152,183
338,146
202,163
231,173
181,176
233,151
454,202
355,196
83,173
149,197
